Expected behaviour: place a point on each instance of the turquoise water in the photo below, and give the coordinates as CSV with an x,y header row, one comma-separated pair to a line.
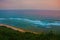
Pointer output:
x,y
27,19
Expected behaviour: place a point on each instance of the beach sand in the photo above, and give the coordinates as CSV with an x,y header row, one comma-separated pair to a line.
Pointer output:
x,y
17,29
14,28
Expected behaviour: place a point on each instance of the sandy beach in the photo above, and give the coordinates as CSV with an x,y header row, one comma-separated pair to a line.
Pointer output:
x,y
17,29
14,28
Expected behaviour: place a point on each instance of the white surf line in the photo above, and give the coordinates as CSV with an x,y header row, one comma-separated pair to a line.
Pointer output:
x,y
36,22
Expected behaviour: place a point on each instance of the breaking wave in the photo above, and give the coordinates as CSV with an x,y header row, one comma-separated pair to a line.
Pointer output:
x,y
36,22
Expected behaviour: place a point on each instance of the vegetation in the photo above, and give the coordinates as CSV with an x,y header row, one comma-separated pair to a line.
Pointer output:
x,y
10,34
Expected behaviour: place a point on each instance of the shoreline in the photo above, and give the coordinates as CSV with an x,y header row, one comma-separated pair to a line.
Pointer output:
x,y
14,28
17,29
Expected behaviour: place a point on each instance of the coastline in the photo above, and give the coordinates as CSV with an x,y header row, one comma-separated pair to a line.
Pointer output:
x,y
18,29
14,28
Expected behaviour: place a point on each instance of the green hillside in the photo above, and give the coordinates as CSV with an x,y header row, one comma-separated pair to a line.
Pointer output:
x,y
10,34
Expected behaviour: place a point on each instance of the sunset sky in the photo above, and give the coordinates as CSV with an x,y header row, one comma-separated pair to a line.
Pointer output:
x,y
30,4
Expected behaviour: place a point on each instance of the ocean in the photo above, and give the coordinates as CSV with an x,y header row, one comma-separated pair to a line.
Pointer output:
x,y
34,20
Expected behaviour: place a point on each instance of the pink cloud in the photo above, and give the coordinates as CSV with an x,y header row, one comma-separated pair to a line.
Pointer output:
x,y
30,4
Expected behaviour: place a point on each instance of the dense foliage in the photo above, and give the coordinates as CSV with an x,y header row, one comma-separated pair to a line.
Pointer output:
x,y
9,34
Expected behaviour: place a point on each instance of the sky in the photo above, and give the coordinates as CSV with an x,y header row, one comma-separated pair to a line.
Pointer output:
x,y
30,4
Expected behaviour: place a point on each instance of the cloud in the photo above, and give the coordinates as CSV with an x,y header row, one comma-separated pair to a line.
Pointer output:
x,y
30,4
1,0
